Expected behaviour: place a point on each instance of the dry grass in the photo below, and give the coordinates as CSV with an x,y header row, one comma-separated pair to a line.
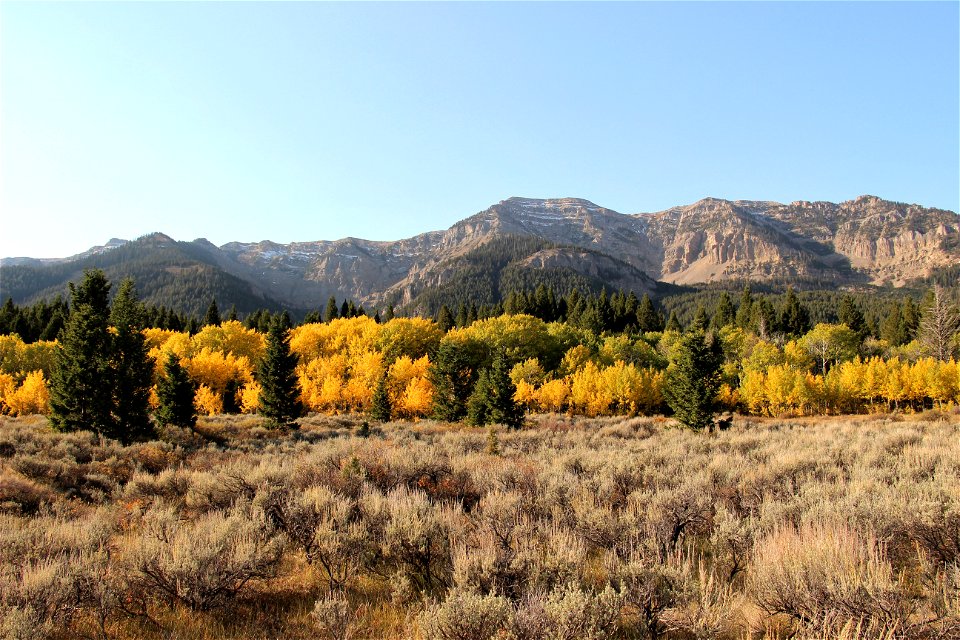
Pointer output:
x,y
579,528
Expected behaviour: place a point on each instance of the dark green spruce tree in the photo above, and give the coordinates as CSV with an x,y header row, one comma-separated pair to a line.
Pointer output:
x,y
445,319
725,313
212,318
331,313
132,367
175,394
648,318
380,408
82,384
452,380
492,400
279,387
693,379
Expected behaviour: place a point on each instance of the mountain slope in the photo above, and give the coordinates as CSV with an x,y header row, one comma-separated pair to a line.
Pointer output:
x,y
179,275
521,242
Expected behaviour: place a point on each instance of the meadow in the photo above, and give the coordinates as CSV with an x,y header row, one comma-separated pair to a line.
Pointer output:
x,y
572,527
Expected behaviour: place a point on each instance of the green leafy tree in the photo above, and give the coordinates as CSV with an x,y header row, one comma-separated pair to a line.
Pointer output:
x,y
452,378
831,344
279,387
82,384
175,394
380,408
132,367
693,379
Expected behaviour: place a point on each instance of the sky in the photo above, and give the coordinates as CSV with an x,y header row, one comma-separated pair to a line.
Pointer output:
x,y
307,121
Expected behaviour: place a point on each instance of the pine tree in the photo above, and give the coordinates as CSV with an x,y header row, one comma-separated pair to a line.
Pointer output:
x,y
700,319
390,313
232,314
794,319
445,319
673,324
380,408
745,310
693,379
478,405
724,313
648,318
331,312
850,315
132,367
212,318
280,388
451,378
492,400
175,394
81,387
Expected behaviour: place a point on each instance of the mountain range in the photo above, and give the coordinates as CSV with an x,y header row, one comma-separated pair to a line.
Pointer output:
x,y
521,242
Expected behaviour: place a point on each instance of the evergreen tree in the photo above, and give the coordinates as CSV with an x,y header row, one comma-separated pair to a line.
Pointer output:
x,y
701,320
909,320
673,324
850,315
745,310
232,314
693,379
502,407
724,313
648,318
445,319
478,405
794,319
380,409
132,367
451,377
280,389
390,313
212,318
175,395
331,312
81,387
892,329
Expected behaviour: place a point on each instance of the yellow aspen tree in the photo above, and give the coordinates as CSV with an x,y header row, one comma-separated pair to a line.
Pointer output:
x,y
248,397
417,398
753,391
553,395
208,401
31,396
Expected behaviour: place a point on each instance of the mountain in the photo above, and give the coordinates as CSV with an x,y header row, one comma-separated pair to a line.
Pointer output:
x,y
179,275
521,242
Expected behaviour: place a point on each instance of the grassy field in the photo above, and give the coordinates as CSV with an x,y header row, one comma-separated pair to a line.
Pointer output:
x,y
568,529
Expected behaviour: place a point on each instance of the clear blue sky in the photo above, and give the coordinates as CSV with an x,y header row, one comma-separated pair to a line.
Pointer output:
x,y
307,121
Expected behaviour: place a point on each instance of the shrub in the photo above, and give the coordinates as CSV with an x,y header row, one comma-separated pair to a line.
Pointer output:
x,y
823,573
466,615
202,564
